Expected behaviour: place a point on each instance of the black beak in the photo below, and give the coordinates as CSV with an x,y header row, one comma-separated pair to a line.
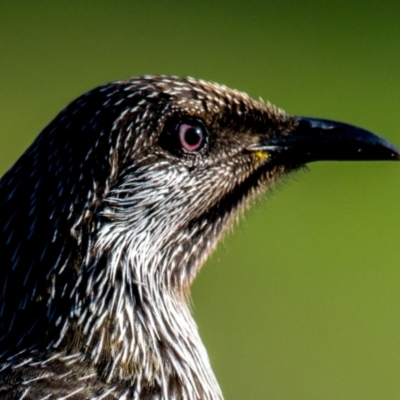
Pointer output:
x,y
318,139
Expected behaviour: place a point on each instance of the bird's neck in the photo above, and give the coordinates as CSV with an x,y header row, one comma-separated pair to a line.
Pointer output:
x,y
134,326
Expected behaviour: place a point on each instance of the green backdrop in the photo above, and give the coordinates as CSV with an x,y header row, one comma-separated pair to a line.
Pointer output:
x,y
302,301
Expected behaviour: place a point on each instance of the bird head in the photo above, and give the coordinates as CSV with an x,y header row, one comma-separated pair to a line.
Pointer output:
x,y
190,155
110,213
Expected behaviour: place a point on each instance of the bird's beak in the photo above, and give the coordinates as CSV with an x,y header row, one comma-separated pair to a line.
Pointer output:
x,y
318,139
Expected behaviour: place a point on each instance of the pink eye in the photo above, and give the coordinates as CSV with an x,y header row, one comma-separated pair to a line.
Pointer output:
x,y
184,137
191,136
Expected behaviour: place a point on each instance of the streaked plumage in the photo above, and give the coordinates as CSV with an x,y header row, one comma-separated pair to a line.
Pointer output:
x,y
105,221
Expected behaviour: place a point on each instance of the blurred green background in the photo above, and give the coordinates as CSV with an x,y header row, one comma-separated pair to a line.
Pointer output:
x,y
302,301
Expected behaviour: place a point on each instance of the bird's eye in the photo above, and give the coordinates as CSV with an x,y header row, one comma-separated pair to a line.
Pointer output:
x,y
184,136
191,136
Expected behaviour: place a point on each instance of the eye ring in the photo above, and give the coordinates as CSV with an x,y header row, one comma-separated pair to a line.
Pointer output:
x,y
184,136
192,136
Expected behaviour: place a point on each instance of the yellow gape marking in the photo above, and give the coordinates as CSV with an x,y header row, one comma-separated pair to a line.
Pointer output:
x,y
261,155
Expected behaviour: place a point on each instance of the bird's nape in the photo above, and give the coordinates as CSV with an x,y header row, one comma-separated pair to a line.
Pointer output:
x,y
109,215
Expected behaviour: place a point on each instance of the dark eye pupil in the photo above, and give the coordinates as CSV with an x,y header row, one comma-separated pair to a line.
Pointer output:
x,y
191,136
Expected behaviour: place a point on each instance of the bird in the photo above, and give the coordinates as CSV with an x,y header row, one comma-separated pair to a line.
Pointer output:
x,y
109,215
